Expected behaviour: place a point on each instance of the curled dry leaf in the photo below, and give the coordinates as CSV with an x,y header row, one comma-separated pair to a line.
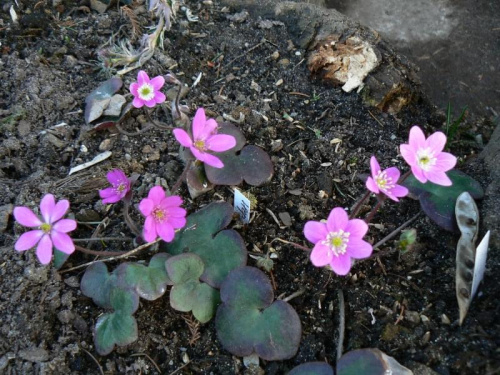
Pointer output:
x,y
470,260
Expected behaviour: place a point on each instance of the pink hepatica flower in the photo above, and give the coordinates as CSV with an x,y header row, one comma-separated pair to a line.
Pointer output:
x,y
147,91
163,215
120,186
385,181
205,138
52,231
337,241
425,157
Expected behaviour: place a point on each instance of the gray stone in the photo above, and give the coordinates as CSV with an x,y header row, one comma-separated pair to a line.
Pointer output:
x,y
34,355
5,212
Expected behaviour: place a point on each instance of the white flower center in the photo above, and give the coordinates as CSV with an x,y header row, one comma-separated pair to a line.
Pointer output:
x,y
337,242
146,92
426,158
384,182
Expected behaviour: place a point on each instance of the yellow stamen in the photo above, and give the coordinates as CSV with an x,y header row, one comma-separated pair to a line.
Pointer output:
x,y
200,145
46,227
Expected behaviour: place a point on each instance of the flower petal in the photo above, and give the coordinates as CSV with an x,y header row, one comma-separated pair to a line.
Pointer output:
x,y
26,217
44,250
206,158
175,211
419,174
28,240
116,177
112,199
209,129
393,173
157,82
142,77
134,89
356,228
146,206
47,206
399,191
172,201
177,222
409,154
149,232
156,194
372,185
321,255
65,225
165,231
137,102
358,248
436,142
198,124
221,142
337,219
445,161
62,242
182,137
150,103
159,97
315,231
439,178
341,265
59,210
374,166
417,138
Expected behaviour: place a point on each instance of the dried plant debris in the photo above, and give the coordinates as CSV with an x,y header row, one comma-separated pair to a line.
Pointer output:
x,y
471,261
344,63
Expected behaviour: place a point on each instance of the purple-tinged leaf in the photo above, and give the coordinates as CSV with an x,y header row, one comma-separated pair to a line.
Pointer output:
x,y
197,181
97,284
369,361
438,202
312,368
221,250
98,99
248,322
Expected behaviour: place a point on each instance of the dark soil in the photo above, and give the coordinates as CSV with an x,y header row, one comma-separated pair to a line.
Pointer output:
x,y
49,65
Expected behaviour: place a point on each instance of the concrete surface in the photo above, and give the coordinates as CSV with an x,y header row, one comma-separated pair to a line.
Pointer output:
x,y
455,43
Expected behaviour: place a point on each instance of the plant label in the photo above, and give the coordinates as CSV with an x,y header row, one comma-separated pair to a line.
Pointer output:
x,y
242,206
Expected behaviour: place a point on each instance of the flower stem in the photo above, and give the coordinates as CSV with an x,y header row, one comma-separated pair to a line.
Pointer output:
x,y
143,130
128,239
99,253
128,220
182,177
157,124
375,209
305,248
358,205
404,177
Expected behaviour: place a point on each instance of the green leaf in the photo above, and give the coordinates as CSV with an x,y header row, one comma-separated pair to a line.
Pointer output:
x,y
312,368
249,322
369,361
59,259
148,282
250,163
438,202
188,293
97,284
220,250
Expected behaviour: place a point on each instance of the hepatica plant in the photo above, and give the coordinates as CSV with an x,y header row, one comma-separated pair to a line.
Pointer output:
x,y
199,260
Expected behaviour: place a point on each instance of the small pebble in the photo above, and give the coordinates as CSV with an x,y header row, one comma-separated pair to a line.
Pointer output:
x,y
445,319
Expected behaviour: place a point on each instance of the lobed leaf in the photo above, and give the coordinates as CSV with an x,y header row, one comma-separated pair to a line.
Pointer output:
x,y
97,284
250,163
220,250
97,101
59,259
150,282
188,293
369,361
438,202
249,322
312,368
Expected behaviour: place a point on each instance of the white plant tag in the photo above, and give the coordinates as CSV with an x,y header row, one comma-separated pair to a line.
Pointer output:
x,y
242,206
480,264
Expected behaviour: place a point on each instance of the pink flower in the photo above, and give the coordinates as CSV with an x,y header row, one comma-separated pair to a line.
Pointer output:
x,y
337,241
205,138
120,186
425,157
385,181
163,215
51,231
147,91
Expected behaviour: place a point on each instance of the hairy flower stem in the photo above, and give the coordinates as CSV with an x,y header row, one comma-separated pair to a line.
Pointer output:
x,y
358,205
305,248
127,239
181,178
375,209
128,220
99,253
157,124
